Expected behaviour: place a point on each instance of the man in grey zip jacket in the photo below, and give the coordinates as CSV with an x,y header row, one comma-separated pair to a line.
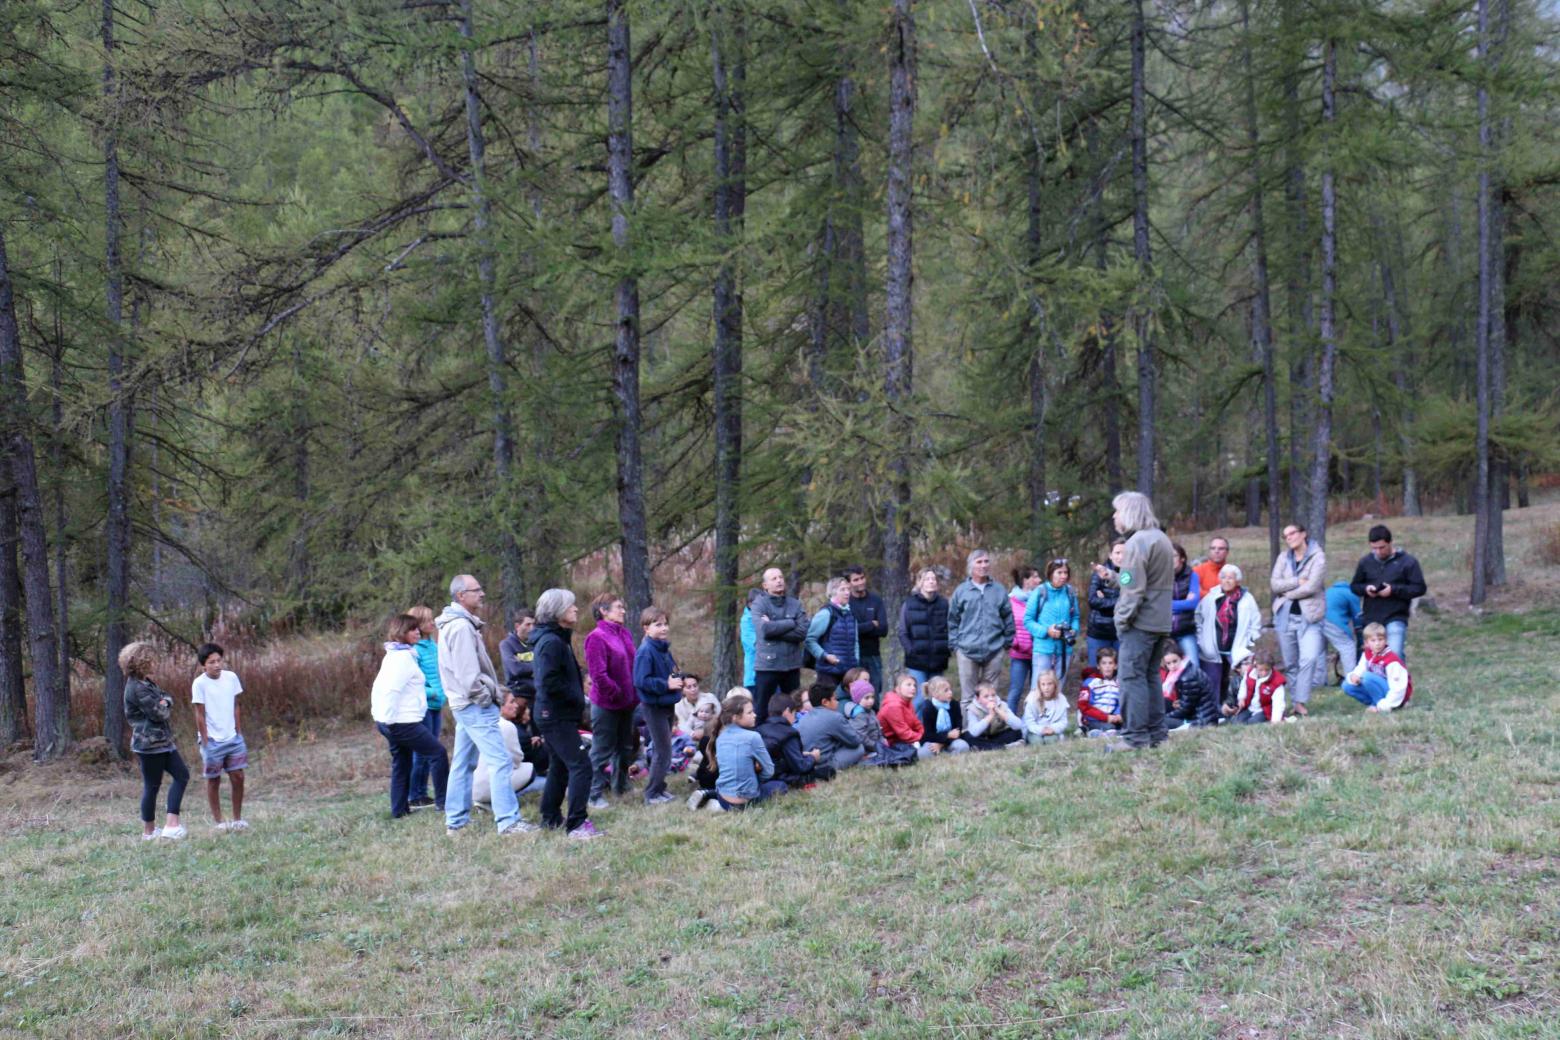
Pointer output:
x,y
980,627
471,683
1147,580
780,625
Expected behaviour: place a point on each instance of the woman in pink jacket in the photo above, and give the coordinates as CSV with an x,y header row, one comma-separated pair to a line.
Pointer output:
x,y
1025,580
609,657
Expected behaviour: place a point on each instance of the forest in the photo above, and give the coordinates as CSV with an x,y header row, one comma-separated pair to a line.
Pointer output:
x,y
308,305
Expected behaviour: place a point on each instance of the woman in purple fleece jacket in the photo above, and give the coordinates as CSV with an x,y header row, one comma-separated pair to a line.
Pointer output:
x,y
609,657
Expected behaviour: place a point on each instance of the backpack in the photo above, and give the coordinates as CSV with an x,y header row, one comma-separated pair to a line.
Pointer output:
x,y
808,660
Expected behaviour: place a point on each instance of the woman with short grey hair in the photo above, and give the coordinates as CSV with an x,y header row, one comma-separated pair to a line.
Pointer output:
x,y
1147,580
1229,622
559,710
832,638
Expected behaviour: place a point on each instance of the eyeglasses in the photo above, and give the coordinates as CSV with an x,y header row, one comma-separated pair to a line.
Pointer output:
x,y
465,591
1060,561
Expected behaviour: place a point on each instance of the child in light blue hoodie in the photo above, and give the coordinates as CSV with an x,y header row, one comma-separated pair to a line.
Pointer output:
x,y
745,770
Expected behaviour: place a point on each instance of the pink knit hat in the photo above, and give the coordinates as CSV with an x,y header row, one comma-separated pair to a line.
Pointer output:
x,y
860,688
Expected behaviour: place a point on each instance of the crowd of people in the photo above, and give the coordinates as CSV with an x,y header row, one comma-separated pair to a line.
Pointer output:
x,y
540,723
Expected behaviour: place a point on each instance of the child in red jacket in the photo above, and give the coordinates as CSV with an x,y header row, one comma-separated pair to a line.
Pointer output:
x,y
1099,700
897,716
1262,693
1380,679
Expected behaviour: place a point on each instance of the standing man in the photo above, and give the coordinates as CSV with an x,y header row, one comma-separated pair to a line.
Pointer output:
x,y
980,626
871,624
1208,571
471,684
780,626
1388,580
1299,581
1147,581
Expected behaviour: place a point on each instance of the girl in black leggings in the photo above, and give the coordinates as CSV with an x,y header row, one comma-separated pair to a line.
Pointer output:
x,y
148,709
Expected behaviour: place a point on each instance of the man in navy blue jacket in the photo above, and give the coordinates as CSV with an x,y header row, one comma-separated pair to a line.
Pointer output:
x,y
871,623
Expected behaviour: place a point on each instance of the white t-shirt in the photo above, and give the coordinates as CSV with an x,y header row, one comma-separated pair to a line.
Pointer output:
x,y
219,696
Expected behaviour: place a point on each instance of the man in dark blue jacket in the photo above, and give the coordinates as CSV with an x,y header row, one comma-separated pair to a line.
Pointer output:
x,y
871,623
1388,580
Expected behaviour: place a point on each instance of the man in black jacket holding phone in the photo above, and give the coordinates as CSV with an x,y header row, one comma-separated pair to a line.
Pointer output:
x,y
1388,580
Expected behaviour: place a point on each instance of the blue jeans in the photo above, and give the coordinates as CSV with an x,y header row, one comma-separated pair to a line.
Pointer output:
x,y
421,764
1020,675
1397,637
1096,645
1369,691
407,741
477,736
873,663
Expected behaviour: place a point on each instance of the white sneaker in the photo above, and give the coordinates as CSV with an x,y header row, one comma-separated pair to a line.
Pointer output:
x,y
519,827
713,805
156,833
223,827
175,833
238,825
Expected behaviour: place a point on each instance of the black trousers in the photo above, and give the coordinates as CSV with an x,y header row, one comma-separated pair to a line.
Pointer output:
x,y
152,769
569,769
767,684
408,740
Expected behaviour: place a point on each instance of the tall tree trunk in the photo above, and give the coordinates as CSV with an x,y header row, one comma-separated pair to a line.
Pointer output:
x,y
1299,316
1485,319
497,360
13,693
730,204
57,464
543,559
1109,390
117,576
51,715
1322,452
1262,299
1511,263
1034,330
625,354
1142,319
898,353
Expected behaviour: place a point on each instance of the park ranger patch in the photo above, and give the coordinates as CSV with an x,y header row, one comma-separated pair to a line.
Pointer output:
x,y
1126,577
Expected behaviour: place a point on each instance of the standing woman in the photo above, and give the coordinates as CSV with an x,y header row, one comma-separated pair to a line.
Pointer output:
x,y
560,708
433,720
1051,615
1183,604
147,709
1103,592
1025,580
1142,617
609,657
749,635
399,702
923,631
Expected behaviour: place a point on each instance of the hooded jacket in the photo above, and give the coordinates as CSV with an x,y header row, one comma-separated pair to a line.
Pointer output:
x,y
609,656
147,709
1248,626
560,692
465,669
1303,583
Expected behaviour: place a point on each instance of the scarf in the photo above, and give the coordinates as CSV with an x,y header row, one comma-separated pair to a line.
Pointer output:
x,y
944,719
1226,618
1167,681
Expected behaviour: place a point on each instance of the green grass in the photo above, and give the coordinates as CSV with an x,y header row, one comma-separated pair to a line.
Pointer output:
x,y
1350,876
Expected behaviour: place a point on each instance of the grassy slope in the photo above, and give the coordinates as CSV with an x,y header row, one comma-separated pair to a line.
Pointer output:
x,y
1348,876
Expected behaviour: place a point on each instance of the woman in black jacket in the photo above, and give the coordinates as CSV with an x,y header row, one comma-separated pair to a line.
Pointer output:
x,y
923,632
560,707
1103,593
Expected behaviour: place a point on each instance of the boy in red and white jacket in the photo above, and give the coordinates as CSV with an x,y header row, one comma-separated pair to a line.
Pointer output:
x,y
1262,696
1099,699
1380,680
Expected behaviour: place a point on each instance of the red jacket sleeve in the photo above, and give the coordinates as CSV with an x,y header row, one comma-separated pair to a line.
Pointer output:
x,y
1086,706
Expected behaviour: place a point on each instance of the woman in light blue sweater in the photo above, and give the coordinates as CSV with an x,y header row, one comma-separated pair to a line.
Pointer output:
x,y
1052,620
744,768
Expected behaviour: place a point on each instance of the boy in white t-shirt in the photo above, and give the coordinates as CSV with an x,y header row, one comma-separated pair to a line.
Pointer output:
x,y
222,749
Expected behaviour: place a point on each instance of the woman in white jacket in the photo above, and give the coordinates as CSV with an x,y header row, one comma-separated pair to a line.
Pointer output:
x,y
1229,622
399,703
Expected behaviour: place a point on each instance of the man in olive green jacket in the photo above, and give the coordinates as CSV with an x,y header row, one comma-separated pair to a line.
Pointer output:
x,y
1147,581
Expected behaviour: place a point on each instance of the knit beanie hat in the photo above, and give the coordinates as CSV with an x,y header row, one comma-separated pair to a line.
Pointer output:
x,y
860,688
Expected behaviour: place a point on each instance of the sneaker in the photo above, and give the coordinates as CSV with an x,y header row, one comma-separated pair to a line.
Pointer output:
x,y
660,799
156,833
454,832
586,832
175,833
223,827
597,802
696,800
1177,729
420,803
238,825
713,805
519,827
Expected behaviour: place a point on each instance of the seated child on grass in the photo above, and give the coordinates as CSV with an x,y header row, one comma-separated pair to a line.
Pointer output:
x,y
1380,679
859,711
692,697
942,722
1262,695
1099,700
782,740
902,730
1045,711
744,771
992,725
1189,699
